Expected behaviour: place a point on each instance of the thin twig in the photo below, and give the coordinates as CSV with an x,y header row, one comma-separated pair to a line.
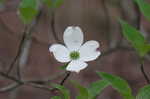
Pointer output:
x,y
53,26
9,88
144,73
33,83
138,20
10,77
108,22
117,48
19,51
40,86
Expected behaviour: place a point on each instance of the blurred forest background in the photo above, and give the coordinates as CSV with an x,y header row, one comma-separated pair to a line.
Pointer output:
x,y
97,18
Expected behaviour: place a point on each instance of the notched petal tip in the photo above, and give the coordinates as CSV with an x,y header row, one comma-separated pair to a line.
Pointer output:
x,y
75,71
76,66
71,29
77,28
73,38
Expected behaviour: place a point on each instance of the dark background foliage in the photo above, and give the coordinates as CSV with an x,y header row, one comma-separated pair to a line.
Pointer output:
x,y
98,19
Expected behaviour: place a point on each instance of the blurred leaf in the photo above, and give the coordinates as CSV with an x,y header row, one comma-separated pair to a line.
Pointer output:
x,y
2,4
2,1
83,92
47,2
97,87
28,10
144,93
144,8
57,3
136,38
53,3
56,97
63,90
118,83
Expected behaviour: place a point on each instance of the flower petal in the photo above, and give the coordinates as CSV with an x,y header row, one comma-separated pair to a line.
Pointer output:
x,y
88,51
73,38
76,66
60,52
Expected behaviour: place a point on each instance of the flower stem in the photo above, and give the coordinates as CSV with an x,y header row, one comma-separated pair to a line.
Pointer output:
x,y
65,78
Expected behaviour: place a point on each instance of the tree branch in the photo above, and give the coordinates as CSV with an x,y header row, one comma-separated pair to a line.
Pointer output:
x,y
24,47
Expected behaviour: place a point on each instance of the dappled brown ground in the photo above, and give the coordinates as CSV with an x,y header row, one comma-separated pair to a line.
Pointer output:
x,y
98,19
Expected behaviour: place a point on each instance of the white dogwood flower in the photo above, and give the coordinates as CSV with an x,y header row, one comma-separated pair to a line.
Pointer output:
x,y
74,50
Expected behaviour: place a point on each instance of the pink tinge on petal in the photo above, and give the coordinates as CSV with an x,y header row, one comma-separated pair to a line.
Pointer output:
x,y
89,51
98,49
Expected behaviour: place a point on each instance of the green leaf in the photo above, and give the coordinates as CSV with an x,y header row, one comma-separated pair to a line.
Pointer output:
x,y
2,1
118,83
47,2
53,3
83,92
63,90
56,97
136,38
144,8
144,93
57,3
97,87
28,10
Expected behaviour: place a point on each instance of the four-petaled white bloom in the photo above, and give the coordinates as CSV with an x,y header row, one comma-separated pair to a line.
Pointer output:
x,y
73,51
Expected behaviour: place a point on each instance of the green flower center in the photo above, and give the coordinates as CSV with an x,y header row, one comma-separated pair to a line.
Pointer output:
x,y
74,55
